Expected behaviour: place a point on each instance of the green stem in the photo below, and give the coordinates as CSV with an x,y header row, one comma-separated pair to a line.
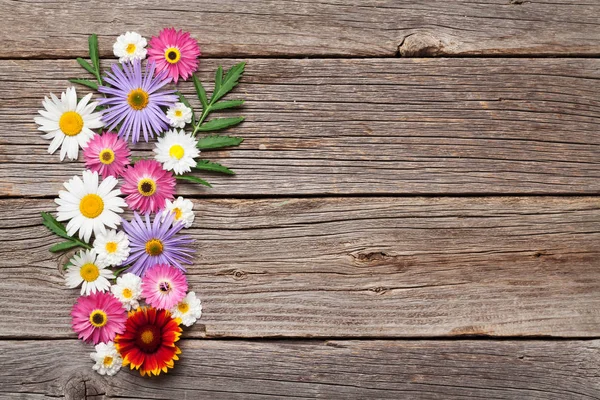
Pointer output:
x,y
205,113
119,271
84,245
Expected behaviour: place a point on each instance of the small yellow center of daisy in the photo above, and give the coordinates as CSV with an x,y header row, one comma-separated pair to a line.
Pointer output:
x,y
108,360
154,247
172,55
146,187
98,318
127,293
91,205
130,48
183,307
147,336
70,123
111,247
106,156
178,213
176,151
138,99
178,113
89,272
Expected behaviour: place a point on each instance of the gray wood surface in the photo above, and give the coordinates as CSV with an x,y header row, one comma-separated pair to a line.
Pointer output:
x,y
316,369
374,126
311,27
351,267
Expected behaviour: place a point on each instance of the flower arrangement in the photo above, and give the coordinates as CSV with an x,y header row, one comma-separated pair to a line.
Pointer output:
x,y
135,296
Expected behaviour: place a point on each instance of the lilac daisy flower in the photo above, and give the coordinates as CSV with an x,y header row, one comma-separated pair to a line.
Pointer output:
x,y
135,100
156,243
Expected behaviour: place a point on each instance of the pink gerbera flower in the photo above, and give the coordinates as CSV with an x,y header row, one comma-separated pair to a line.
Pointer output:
x,y
107,154
147,186
176,52
164,286
98,317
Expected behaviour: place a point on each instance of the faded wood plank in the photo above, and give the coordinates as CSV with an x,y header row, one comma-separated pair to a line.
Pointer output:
x,y
386,126
356,267
312,27
317,369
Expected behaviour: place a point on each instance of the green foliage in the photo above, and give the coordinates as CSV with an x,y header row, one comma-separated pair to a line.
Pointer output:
x,y
59,229
217,142
213,167
194,179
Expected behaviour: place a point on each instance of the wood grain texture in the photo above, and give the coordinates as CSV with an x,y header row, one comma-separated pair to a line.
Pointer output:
x,y
386,126
316,369
355,267
311,27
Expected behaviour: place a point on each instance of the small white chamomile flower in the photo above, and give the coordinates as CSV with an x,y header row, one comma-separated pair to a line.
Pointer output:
x,y
176,151
86,271
130,46
128,290
107,359
179,115
189,309
182,208
112,247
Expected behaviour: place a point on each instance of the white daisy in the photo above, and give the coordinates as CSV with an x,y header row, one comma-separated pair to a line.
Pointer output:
x,y
89,206
179,115
182,208
189,309
112,247
176,150
88,272
68,122
130,46
107,358
128,290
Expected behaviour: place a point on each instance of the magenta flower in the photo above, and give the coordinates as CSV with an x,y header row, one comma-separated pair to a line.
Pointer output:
x,y
98,317
164,286
107,154
147,186
175,52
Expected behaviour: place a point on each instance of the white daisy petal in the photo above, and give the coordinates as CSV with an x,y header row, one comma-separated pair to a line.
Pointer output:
x,y
87,271
188,310
183,210
128,290
176,150
107,359
130,46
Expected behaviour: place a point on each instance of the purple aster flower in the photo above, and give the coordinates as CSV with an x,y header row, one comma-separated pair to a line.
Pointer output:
x,y
134,100
156,243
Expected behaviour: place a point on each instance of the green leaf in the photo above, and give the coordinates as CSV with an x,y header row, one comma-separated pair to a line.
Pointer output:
x,y
217,141
221,105
63,246
187,104
218,82
193,179
200,92
219,123
213,166
85,82
54,226
94,54
229,82
86,65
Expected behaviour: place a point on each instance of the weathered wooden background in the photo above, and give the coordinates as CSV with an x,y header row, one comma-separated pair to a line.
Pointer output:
x,y
416,212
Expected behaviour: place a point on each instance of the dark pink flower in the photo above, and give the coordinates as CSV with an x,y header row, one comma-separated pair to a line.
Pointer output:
x,y
147,186
98,317
176,52
107,154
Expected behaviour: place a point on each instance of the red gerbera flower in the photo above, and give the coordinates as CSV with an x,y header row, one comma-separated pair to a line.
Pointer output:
x,y
148,343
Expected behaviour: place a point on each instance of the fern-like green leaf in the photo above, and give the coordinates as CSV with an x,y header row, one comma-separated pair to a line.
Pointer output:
x,y
218,141
63,246
221,105
206,165
193,179
219,123
85,82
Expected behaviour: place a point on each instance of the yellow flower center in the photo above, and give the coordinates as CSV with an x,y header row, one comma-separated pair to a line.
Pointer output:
x,y
154,247
70,123
130,48
127,293
89,272
178,113
172,55
147,336
178,213
183,307
111,247
146,187
91,205
106,156
108,360
98,318
176,151
138,99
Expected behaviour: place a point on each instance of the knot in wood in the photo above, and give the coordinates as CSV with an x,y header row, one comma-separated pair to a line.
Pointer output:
x,y
81,386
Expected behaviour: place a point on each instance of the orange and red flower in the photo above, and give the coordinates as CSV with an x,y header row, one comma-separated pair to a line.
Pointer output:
x,y
148,343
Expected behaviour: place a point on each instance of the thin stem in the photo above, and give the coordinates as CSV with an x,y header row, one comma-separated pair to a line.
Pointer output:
x,y
205,113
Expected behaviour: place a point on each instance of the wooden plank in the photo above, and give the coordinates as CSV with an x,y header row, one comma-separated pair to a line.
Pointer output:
x,y
386,126
355,267
317,369
312,27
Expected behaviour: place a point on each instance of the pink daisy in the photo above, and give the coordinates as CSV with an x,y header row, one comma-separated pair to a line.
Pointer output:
x,y
147,186
107,154
164,286
98,317
174,51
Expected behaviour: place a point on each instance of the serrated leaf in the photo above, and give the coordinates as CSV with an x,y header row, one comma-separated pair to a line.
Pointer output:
x,y
218,141
86,65
63,246
94,54
221,105
85,82
218,82
229,82
187,104
206,165
200,91
219,123
54,226
193,179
